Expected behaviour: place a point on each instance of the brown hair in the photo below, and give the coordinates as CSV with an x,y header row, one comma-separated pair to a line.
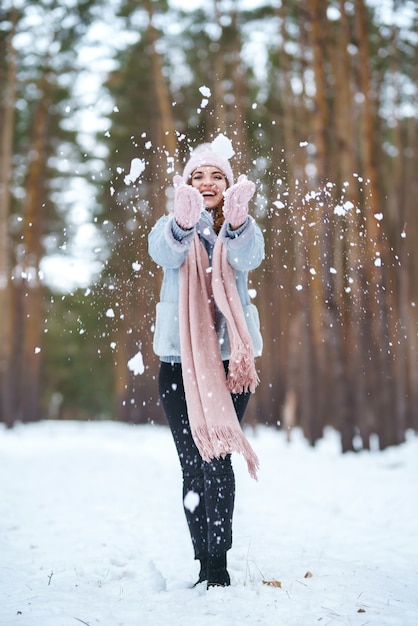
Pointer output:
x,y
218,217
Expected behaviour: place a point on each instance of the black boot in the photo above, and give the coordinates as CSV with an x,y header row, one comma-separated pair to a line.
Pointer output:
x,y
217,573
203,574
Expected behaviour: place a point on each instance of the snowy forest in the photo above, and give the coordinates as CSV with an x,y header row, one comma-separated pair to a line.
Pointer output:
x,y
320,101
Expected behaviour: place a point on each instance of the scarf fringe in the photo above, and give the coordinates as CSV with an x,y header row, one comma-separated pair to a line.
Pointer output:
x,y
222,440
242,375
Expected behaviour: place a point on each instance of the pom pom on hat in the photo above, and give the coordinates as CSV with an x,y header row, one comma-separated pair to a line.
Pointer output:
x,y
216,154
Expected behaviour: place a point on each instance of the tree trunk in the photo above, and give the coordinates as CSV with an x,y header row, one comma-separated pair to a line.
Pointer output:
x,y
165,126
237,116
383,388
7,115
30,287
353,396
324,324
399,219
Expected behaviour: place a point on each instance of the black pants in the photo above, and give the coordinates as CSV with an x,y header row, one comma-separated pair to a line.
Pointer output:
x,y
209,516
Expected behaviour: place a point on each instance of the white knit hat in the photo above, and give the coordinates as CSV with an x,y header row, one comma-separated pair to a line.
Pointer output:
x,y
216,154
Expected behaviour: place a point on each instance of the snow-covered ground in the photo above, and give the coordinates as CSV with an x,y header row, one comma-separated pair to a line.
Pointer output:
x,y
92,532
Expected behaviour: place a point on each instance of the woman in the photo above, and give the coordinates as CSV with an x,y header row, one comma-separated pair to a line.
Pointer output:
x,y
206,335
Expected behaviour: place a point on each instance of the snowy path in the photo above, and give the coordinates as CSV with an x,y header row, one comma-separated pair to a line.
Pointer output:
x,y
92,532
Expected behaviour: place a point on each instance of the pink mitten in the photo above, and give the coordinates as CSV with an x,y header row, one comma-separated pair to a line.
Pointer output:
x,y
188,203
236,202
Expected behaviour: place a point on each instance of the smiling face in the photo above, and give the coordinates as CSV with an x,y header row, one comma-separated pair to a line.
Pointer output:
x,y
211,183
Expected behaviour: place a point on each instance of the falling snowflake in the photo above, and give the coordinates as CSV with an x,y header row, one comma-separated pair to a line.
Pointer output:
x,y
137,167
136,364
223,146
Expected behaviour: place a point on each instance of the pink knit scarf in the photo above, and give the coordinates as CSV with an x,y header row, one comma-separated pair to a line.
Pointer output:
x,y
213,421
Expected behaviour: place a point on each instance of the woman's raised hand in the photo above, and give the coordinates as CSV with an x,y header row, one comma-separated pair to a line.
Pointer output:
x,y
236,202
188,203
